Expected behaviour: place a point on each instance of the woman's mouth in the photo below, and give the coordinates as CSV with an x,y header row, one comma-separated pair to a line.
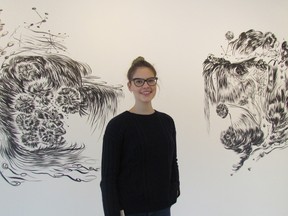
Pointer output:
x,y
146,92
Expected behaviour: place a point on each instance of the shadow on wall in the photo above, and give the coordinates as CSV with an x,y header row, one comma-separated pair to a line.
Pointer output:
x,y
40,88
248,85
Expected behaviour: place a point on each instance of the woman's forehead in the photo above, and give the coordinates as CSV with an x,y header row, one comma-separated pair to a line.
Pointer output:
x,y
143,72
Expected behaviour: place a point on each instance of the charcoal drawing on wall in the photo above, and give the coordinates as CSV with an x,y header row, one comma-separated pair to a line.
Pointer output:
x,y
247,86
40,88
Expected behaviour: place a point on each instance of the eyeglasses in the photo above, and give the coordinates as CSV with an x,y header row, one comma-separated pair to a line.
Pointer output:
x,y
152,81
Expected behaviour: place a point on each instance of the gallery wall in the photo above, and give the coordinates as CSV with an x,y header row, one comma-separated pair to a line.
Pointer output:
x,y
176,37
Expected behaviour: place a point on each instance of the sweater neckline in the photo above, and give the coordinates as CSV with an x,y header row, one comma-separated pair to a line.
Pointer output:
x,y
141,115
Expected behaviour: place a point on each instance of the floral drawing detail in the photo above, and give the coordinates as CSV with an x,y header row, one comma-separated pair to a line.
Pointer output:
x,y
248,81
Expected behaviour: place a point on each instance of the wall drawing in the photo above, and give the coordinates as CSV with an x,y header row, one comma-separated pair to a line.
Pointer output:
x,y
247,86
40,89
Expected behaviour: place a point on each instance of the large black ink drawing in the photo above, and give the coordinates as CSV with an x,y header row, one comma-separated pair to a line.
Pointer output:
x,y
248,85
40,88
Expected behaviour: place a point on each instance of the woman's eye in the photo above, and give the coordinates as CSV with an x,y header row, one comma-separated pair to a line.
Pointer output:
x,y
139,81
151,81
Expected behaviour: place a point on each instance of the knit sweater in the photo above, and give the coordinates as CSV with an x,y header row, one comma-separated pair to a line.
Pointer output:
x,y
139,164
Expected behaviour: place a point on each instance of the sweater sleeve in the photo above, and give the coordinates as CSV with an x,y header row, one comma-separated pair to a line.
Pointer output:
x,y
110,170
175,169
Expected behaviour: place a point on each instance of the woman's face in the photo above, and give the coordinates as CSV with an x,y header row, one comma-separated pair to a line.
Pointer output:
x,y
145,93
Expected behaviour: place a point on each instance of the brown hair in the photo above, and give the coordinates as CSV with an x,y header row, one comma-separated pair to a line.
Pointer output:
x,y
137,63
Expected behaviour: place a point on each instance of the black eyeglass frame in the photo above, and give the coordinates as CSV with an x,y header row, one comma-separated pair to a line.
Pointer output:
x,y
145,80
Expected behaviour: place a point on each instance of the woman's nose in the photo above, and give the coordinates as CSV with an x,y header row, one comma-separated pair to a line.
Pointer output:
x,y
145,84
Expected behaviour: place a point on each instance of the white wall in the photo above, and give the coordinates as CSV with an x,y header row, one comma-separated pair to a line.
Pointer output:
x,y
176,36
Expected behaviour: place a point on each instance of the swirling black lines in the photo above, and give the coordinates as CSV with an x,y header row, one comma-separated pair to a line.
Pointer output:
x,y
255,84
23,78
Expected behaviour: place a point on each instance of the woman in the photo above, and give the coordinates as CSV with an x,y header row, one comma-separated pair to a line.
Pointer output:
x,y
139,161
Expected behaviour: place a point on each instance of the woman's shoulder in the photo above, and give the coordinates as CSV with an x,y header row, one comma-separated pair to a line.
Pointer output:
x,y
164,115
118,123
121,120
167,120
122,117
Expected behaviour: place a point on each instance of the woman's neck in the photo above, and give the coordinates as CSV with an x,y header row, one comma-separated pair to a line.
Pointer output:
x,y
143,110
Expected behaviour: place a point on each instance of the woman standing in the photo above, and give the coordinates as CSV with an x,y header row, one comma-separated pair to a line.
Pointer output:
x,y
139,160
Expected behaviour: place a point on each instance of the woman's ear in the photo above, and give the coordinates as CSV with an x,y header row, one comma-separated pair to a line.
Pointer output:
x,y
129,86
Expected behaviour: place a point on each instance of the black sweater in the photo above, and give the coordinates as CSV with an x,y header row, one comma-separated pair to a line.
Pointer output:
x,y
139,164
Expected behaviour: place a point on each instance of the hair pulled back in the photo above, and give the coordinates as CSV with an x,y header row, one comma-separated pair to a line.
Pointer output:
x,y
137,63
